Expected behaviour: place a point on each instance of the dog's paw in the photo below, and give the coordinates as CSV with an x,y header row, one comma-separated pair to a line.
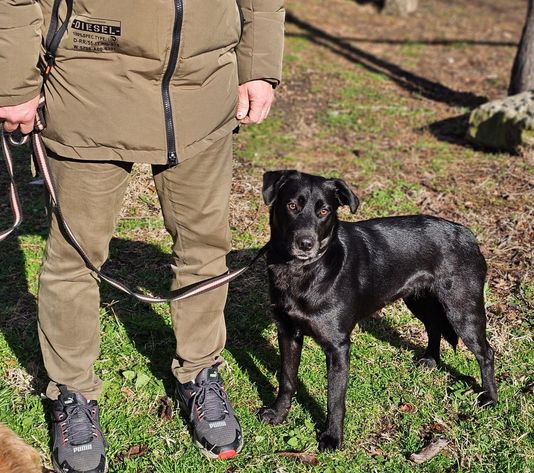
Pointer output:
x,y
329,442
485,400
427,362
271,416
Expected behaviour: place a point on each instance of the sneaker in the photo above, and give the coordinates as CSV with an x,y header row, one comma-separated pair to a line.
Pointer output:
x,y
79,446
216,430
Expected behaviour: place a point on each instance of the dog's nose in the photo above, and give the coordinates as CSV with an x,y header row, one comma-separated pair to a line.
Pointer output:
x,y
305,243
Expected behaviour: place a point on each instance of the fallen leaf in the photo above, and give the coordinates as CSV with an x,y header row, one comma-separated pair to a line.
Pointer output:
x,y
407,408
374,451
141,380
165,408
430,451
436,427
129,375
303,457
133,452
127,392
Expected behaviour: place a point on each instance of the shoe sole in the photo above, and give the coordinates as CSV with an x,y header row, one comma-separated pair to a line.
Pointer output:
x,y
225,455
58,469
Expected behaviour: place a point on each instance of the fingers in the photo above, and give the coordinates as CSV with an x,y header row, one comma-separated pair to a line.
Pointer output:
x,y
259,109
256,112
9,127
22,116
242,103
258,96
265,112
26,126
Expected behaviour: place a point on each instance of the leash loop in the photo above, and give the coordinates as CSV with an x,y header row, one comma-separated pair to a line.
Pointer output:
x,y
17,138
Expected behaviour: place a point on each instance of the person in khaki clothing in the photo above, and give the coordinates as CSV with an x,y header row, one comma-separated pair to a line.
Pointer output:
x,y
161,82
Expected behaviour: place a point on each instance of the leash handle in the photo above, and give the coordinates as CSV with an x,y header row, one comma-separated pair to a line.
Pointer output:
x,y
42,162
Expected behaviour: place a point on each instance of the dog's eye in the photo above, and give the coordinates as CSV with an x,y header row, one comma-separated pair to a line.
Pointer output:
x,y
323,212
292,206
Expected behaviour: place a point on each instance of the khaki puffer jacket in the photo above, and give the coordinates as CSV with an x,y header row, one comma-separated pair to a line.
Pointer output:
x,y
140,81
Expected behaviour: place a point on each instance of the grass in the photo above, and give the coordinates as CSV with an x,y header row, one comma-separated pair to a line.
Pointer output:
x,y
373,134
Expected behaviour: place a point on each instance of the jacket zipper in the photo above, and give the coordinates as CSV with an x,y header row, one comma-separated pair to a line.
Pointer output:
x,y
172,158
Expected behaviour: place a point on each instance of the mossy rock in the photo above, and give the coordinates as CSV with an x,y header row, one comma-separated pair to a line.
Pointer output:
x,y
399,7
504,124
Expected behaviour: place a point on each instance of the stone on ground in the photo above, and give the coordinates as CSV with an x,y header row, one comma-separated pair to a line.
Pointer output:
x,y
504,124
399,7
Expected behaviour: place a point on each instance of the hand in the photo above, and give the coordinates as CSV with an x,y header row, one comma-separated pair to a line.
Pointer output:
x,y
255,100
22,116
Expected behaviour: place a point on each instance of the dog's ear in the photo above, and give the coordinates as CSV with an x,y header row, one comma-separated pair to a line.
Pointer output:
x,y
345,195
272,181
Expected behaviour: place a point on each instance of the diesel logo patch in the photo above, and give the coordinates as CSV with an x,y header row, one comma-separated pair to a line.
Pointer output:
x,y
96,35
97,25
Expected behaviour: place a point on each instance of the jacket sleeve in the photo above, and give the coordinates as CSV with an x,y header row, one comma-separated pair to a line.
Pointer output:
x,y
259,53
20,42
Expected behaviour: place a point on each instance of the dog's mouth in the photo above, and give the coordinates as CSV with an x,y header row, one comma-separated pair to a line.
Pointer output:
x,y
303,255
307,255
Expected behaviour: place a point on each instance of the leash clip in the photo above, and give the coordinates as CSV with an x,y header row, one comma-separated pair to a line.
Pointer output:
x,y
17,138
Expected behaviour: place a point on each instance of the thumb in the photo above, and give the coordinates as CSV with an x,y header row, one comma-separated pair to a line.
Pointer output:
x,y
242,103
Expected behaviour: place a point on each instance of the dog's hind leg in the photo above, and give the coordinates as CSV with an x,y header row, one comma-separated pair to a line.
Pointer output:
x,y
428,310
468,317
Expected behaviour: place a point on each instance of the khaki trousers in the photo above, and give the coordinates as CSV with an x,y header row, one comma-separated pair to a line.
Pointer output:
x,y
194,200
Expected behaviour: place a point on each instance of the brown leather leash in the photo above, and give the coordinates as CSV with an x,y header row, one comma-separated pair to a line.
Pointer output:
x,y
42,162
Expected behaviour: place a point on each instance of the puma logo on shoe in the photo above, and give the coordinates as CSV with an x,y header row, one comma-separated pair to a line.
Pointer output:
x,y
82,448
214,425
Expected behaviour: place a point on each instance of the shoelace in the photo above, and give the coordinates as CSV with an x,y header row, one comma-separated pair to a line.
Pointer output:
x,y
78,426
210,399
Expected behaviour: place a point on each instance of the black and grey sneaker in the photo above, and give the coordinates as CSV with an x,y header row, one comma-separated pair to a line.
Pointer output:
x,y
79,446
216,430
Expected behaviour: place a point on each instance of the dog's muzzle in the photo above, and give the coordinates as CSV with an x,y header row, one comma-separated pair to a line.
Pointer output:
x,y
305,246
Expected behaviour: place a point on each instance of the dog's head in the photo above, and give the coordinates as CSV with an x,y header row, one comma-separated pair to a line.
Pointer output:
x,y
303,212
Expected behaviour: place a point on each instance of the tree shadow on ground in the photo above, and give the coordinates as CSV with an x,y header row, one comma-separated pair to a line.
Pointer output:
x,y
407,80
452,130
417,42
378,4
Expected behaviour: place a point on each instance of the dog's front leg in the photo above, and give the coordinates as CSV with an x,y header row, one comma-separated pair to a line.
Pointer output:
x,y
337,363
290,343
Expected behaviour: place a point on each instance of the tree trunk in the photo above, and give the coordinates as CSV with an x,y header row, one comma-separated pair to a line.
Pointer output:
x,y
523,71
399,7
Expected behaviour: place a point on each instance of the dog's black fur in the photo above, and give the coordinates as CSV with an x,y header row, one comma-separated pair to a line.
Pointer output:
x,y
325,275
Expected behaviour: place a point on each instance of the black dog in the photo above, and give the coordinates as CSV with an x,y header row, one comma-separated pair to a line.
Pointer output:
x,y
325,275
